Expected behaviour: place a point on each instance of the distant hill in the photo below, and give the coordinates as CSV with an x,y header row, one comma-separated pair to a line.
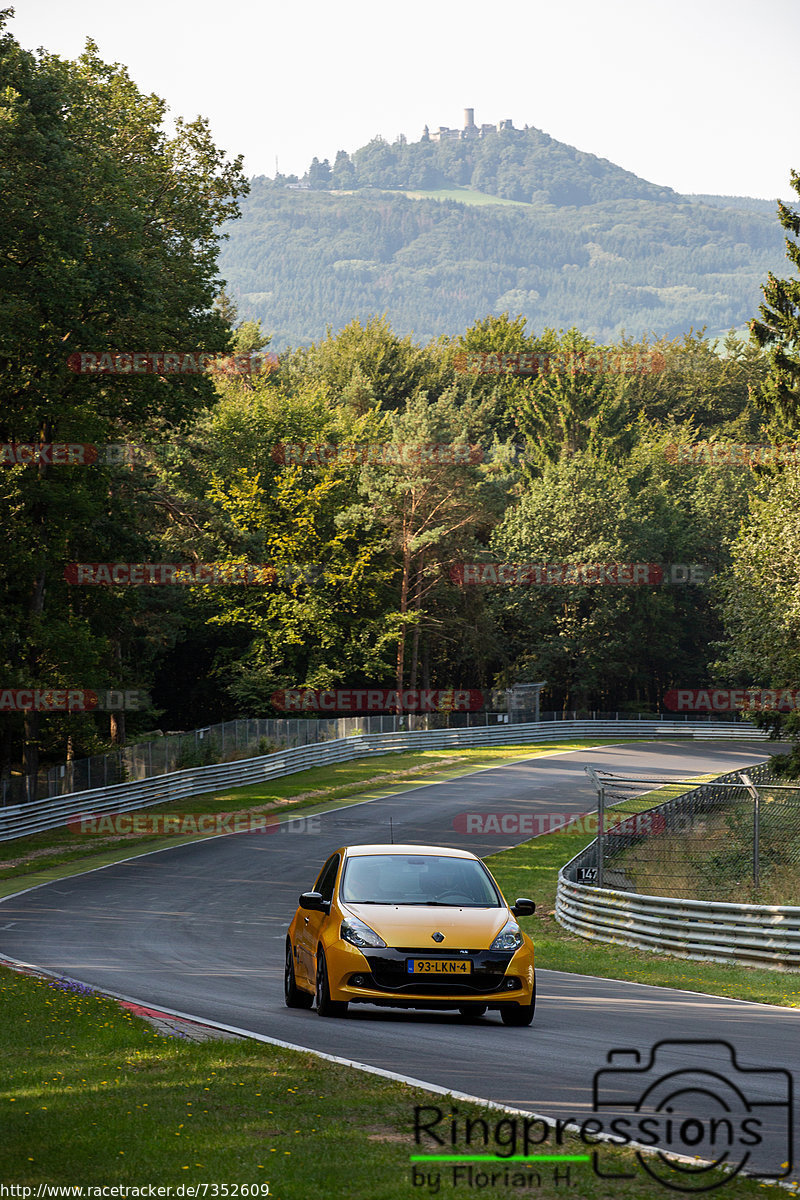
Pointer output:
x,y
747,203
439,234
526,165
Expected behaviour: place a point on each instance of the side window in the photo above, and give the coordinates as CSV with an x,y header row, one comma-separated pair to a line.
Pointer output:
x,y
327,878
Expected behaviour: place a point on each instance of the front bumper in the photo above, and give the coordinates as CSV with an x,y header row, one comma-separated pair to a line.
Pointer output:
x,y
381,977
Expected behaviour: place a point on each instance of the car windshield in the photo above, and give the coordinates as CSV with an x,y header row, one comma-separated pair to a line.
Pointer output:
x,y
418,879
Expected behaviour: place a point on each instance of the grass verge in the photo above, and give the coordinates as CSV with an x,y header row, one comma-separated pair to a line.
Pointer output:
x,y
100,1099
58,853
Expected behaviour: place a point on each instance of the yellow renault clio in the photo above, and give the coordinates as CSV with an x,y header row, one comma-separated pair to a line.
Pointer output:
x,y
410,927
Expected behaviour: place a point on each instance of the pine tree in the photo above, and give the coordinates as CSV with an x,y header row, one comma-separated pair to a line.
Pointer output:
x,y
779,327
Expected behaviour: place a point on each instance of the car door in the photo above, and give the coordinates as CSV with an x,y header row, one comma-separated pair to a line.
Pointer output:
x,y
310,924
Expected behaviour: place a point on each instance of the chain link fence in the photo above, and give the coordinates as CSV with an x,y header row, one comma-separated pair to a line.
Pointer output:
x,y
733,839
248,737
228,741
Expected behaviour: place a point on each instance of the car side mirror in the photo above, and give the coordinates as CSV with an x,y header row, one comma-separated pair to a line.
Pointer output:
x,y
523,908
314,901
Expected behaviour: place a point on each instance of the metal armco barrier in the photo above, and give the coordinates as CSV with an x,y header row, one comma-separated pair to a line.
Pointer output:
x,y
717,931
756,934
23,819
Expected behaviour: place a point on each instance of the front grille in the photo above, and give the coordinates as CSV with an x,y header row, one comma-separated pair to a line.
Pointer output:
x,y
389,973
479,984
438,952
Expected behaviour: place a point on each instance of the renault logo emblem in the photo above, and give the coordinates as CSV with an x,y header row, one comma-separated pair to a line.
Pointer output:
x,y
438,937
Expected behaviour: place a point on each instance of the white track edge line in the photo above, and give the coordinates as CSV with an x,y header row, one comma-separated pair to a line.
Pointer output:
x,y
548,754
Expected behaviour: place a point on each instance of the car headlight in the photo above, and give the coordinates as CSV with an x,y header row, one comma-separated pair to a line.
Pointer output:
x,y
509,937
357,933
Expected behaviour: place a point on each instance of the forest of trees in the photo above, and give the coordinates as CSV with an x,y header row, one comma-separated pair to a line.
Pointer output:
x,y
577,464
515,164
304,261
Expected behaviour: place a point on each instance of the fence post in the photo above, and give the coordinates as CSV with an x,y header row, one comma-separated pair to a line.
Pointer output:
x,y
753,790
756,824
601,813
601,809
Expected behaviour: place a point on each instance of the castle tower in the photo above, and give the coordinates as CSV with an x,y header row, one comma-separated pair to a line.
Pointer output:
x,y
469,118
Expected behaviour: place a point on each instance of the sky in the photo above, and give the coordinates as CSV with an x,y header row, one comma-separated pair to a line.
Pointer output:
x,y
699,95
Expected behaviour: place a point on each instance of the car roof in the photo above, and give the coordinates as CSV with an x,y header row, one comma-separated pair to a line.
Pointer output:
x,y
446,851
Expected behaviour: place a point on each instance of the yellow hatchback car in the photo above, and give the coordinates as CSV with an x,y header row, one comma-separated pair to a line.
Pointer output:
x,y
410,927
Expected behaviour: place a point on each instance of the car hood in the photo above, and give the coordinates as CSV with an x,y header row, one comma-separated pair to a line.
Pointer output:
x,y
412,926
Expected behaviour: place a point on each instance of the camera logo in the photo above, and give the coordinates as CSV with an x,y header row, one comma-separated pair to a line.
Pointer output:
x,y
691,1098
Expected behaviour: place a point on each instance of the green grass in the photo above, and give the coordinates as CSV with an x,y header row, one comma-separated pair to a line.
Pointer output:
x,y
55,854
713,858
464,196
531,870
91,1095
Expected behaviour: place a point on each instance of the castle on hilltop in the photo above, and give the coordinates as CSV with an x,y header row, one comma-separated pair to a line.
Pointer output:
x,y
470,130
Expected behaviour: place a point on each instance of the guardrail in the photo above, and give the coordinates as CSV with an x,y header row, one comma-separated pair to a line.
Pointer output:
x,y
177,751
756,934
36,816
716,931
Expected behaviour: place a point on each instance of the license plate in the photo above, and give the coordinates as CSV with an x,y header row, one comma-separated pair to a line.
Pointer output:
x,y
439,966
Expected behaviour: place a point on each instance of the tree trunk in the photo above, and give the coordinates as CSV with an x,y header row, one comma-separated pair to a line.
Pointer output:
x,y
117,719
401,645
117,728
418,578
32,725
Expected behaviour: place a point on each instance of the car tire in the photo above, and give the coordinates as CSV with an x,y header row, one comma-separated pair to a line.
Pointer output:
x,y
519,1014
471,1012
292,994
322,998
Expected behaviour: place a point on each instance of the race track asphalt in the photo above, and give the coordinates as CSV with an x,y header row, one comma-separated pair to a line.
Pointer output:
x,y
201,928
